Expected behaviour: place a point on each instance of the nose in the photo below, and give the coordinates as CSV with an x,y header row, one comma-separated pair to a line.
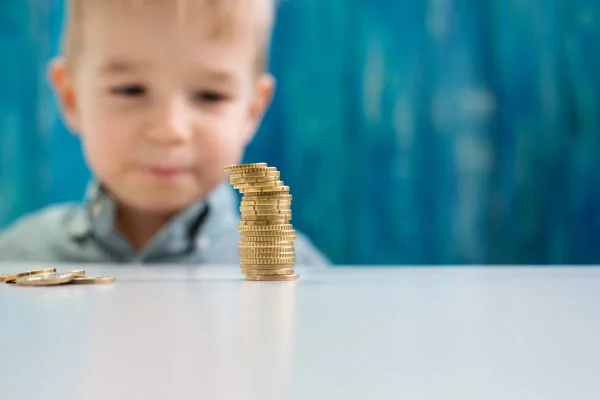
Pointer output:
x,y
172,124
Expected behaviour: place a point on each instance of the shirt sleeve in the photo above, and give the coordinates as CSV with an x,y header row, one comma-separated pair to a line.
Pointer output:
x,y
35,237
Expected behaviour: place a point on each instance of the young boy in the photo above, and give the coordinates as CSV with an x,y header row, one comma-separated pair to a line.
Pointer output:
x,y
163,95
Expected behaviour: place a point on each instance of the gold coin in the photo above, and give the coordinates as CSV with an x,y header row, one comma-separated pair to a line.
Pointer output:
x,y
7,277
52,279
265,204
93,280
264,233
255,241
263,259
247,257
13,277
266,241
270,252
266,261
243,172
266,267
262,215
290,277
238,167
279,242
263,211
263,222
281,271
270,217
280,218
265,252
251,257
264,228
269,236
265,245
257,185
270,172
273,173
274,189
37,272
254,179
265,208
264,198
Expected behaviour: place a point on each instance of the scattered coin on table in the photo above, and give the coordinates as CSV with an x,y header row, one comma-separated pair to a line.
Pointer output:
x,y
50,277
55,278
11,278
93,280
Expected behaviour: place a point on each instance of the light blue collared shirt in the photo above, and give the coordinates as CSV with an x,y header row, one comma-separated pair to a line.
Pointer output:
x,y
204,233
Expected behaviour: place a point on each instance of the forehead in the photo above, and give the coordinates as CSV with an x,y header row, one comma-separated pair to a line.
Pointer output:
x,y
161,33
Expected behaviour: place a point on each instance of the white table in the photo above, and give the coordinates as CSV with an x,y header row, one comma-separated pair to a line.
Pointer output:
x,y
172,332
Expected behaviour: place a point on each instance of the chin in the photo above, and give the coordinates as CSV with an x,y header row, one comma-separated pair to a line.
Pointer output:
x,y
156,205
162,198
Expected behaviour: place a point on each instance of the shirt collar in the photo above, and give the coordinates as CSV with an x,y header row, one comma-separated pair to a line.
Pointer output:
x,y
97,216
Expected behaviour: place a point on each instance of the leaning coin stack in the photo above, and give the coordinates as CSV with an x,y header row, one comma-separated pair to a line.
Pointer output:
x,y
267,237
49,277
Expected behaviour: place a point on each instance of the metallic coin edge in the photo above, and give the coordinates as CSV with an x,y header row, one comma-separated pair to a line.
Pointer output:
x,y
34,280
264,272
236,167
93,280
274,278
260,228
13,277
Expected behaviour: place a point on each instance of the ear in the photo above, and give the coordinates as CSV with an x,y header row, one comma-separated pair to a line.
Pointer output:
x,y
265,89
64,90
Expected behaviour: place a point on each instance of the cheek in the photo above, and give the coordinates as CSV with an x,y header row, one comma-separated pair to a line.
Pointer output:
x,y
220,148
105,140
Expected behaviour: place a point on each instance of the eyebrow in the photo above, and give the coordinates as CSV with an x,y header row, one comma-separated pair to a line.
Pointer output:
x,y
123,66
218,76
119,66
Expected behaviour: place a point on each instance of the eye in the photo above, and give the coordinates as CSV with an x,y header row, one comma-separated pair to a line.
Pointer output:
x,y
210,96
129,90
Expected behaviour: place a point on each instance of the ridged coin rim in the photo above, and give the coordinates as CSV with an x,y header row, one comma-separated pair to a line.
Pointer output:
x,y
237,167
274,278
265,228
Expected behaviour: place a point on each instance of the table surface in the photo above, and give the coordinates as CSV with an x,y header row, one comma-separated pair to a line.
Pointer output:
x,y
174,332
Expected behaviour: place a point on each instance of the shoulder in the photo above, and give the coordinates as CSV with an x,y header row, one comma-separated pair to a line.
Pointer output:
x,y
36,234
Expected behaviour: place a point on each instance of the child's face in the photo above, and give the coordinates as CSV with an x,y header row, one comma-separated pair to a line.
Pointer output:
x,y
160,106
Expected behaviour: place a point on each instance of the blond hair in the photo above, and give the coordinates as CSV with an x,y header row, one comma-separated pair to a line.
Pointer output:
x,y
229,19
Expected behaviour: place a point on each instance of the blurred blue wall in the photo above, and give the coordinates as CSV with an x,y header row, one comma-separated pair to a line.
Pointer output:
x,y
410,132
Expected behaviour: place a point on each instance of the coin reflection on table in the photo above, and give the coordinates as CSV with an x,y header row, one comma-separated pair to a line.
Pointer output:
x,y
267,324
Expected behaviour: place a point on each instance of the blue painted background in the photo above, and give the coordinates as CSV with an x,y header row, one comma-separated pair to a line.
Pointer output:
x,y
427,132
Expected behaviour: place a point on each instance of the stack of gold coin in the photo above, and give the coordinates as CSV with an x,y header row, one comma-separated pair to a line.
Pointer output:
x,y
266,245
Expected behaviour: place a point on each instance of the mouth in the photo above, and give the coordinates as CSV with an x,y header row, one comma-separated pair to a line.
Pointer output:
x,y
166,173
